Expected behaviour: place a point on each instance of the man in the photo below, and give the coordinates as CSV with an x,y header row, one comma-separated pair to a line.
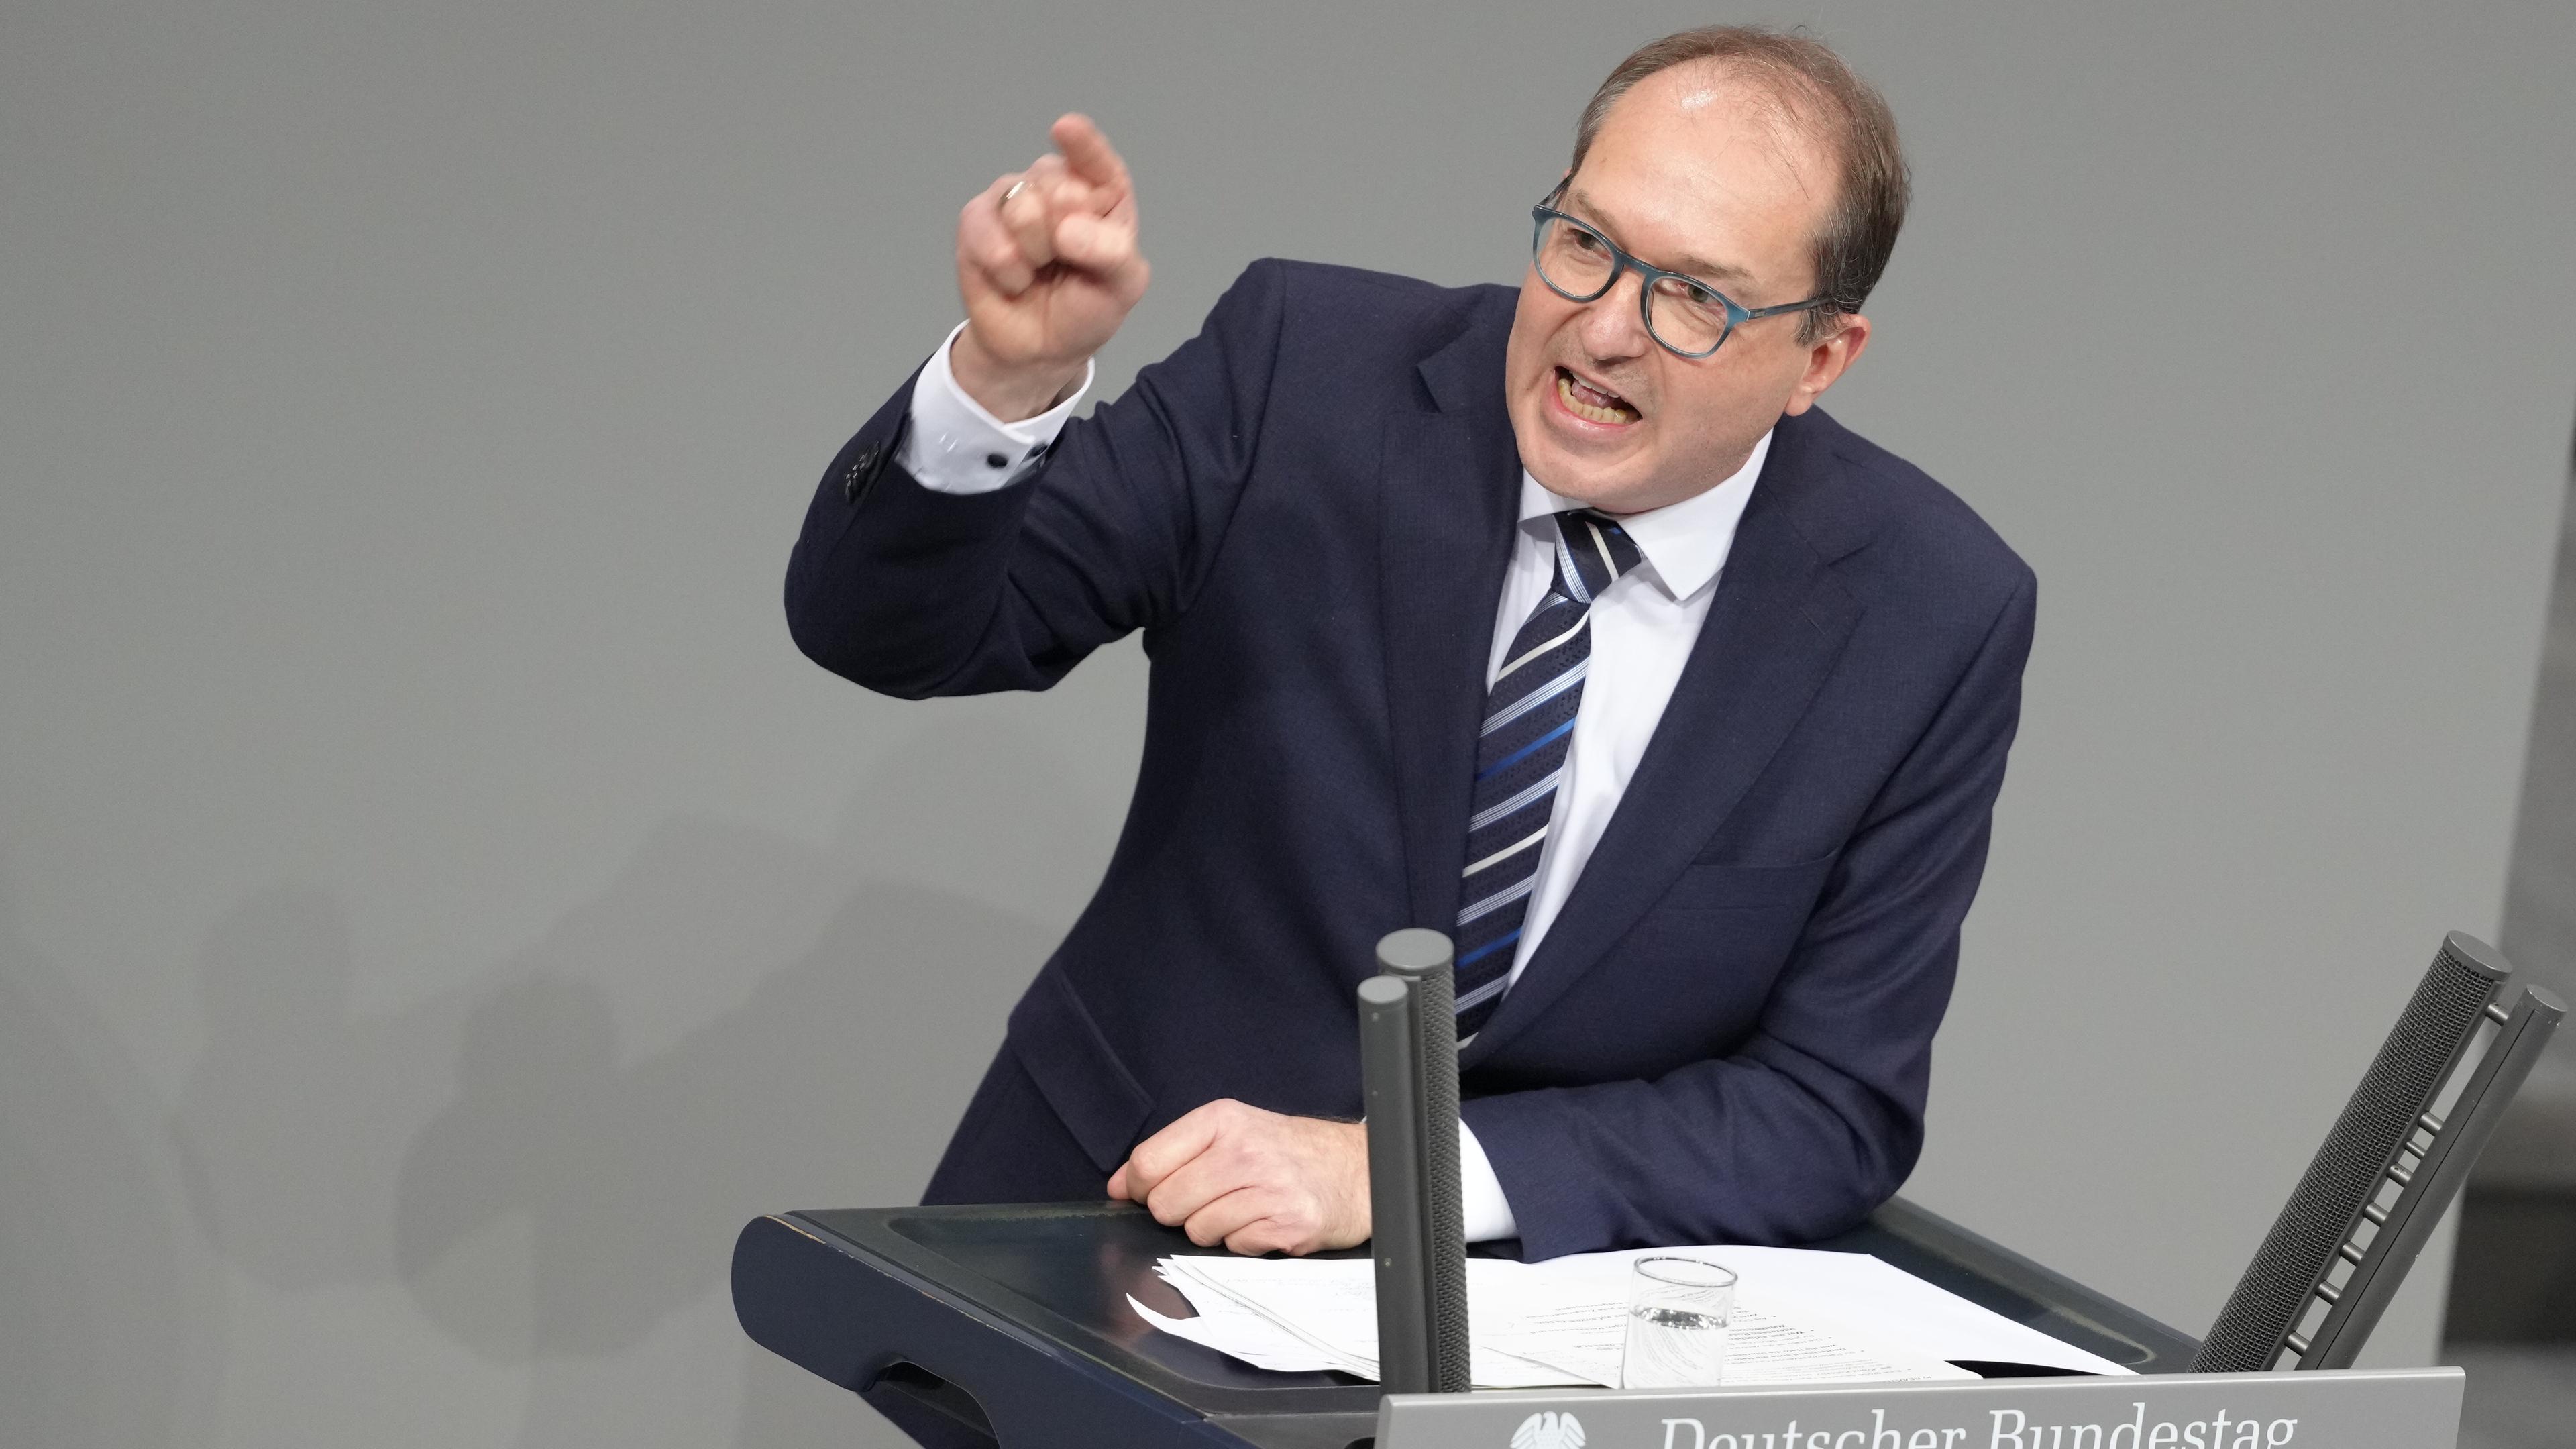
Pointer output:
x,y
1559,620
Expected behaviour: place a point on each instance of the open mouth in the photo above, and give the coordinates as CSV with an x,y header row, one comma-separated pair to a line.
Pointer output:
x,y
1593,404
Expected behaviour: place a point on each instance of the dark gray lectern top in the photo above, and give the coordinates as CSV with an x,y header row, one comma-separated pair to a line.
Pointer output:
x,y
1025,1310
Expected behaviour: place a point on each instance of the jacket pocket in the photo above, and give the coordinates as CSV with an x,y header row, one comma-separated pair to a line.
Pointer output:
x,y
1711,886
1101,1102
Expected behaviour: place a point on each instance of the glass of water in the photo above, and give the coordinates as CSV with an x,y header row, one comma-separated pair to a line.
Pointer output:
x,y
1678,1309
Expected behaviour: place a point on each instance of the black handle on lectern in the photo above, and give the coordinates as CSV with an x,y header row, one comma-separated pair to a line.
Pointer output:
x,y
1409,1072
2388,1169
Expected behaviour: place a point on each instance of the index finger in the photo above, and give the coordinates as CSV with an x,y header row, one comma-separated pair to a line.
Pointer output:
x,y
1167,1152
1088,151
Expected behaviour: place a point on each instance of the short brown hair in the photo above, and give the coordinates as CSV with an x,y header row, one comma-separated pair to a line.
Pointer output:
x,y
1817,89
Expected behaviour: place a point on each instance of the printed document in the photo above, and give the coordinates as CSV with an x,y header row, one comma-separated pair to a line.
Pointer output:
x,y
1801,1316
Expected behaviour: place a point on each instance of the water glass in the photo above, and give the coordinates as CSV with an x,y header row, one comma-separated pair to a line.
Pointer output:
x,y
1678,1309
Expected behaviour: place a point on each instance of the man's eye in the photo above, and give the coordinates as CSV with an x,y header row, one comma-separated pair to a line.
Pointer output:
x,y
1584,240
1700,296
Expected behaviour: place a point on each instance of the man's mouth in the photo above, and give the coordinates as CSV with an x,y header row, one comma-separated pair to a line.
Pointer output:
x,y
1593,404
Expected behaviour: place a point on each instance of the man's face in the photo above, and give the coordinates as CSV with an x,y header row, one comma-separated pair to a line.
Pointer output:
x,y
1696,171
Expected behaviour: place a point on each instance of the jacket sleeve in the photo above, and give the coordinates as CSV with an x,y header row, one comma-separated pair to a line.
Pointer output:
x,y
1818,1118
917,593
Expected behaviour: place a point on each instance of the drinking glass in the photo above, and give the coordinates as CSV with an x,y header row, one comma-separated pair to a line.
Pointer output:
x,y
1678,1309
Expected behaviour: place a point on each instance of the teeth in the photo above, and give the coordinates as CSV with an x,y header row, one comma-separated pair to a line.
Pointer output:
x,y
1567,392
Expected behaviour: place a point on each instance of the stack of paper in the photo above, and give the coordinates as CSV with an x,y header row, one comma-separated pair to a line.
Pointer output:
x,y
1800,1317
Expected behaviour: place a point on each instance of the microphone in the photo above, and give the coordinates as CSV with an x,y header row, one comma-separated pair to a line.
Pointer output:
x,y
1409,1076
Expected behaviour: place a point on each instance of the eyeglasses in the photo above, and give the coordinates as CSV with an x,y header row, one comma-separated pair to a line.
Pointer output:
x,y
1688,317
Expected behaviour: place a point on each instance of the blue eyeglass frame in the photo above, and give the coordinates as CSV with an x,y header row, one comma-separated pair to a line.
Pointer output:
x,y
1737,314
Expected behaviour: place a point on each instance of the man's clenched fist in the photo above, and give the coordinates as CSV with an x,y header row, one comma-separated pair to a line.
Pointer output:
x,y
1255,1181
1048,266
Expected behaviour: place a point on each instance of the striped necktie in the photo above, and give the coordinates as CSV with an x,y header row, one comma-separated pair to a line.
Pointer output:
x,y
1521,756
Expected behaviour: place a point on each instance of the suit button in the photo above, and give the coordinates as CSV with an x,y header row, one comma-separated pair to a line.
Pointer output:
x,y
861,472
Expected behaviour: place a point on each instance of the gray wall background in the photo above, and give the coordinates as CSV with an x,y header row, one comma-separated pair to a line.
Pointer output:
x,y
437,906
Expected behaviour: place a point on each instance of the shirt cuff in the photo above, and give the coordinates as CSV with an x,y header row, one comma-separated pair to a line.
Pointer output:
x,y
1488,1215
955,446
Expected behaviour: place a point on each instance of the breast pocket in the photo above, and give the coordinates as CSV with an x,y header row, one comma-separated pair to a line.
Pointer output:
x,y
1714,886
1709,953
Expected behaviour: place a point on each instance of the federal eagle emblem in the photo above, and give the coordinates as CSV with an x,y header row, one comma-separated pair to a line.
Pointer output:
x,y
1549,1431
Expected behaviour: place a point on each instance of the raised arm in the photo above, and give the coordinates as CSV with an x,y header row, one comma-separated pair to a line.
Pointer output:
x,y
913,575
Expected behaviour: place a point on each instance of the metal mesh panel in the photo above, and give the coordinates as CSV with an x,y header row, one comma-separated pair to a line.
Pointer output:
x,y
2325,1209
1391,1080
2469,1121
1427,960
1447,1235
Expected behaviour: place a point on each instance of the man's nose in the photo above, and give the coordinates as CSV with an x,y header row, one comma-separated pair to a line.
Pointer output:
x,y
1611,327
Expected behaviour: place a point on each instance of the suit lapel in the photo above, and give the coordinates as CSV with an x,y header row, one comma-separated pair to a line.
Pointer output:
x,y
1772,634
1452,491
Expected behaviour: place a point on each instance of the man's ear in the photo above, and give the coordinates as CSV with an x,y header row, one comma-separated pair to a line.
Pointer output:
x,y
1827,360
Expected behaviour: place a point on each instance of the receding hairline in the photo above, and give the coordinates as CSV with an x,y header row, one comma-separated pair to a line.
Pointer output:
x,y
1805,84
1792,102
1774,95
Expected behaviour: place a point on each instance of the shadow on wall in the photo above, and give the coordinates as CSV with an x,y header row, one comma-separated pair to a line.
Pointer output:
x,y
2515,1279
547,1195
636,1178
100,1301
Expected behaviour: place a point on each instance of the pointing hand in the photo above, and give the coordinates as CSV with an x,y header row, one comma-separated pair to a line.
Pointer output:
x,y
1048,266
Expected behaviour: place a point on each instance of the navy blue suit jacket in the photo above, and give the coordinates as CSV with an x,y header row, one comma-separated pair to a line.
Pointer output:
x,y
1726,1033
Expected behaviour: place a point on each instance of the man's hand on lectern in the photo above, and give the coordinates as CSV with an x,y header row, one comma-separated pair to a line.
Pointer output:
x,y
1256,1181
1048,266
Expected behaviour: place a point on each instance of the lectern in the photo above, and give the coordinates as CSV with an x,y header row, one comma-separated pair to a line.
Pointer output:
x,y
1014,1320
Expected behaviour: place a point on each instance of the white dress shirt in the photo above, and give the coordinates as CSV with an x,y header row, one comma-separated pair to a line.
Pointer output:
x,y
1643,627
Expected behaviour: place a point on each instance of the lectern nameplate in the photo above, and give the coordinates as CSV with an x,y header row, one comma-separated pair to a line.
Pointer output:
x,y
2345,1409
